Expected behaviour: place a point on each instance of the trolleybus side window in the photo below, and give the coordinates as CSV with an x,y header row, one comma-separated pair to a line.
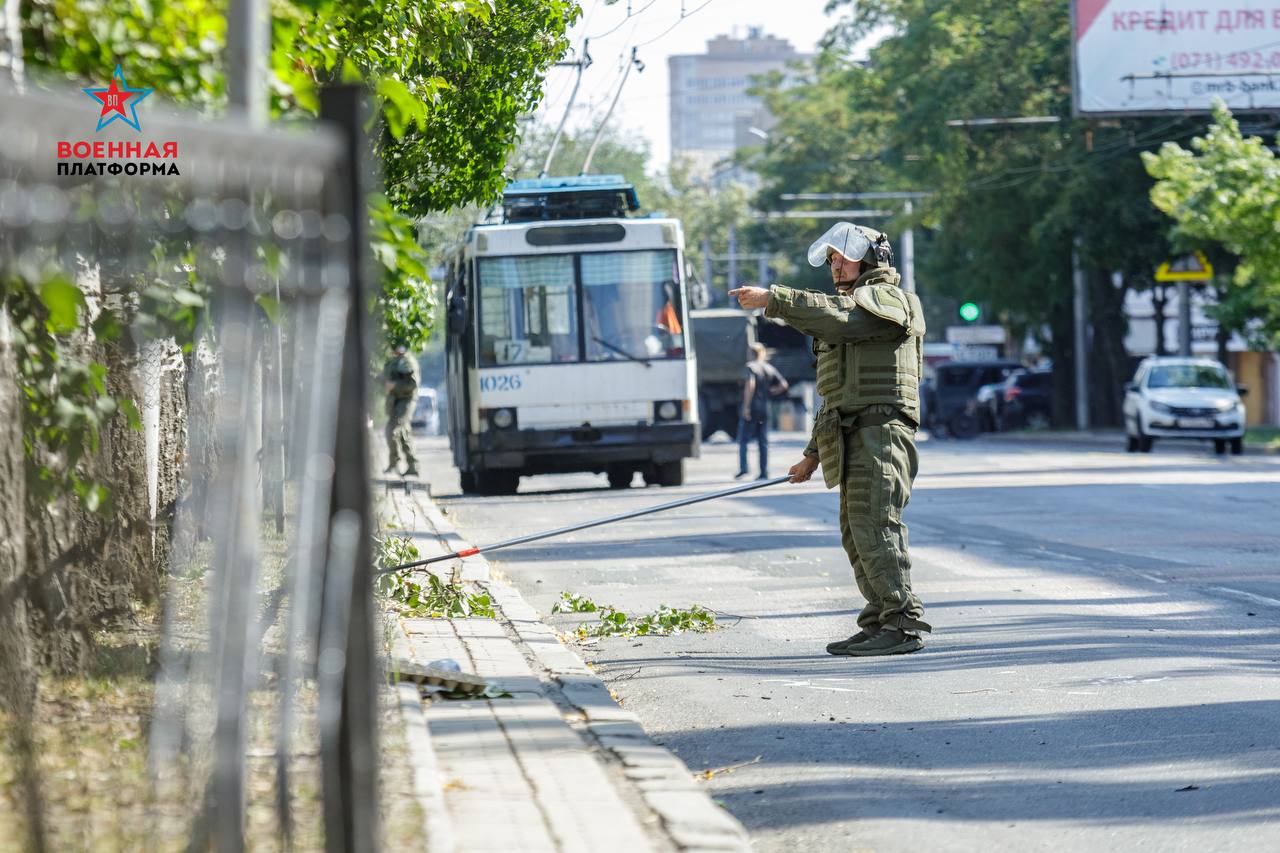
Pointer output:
x,y
528,310
632,305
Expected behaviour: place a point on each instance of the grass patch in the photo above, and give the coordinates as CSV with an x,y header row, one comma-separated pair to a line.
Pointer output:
x,y
90,737
1266,436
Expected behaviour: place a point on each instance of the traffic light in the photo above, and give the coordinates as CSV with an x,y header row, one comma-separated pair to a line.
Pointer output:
x,y
969,312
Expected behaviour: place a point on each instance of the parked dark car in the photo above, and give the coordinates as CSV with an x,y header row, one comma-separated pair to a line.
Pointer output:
x,y
990,402
954,407
1026,400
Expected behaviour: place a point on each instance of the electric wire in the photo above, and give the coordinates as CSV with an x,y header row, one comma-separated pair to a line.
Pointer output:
x,y
683,17
620,24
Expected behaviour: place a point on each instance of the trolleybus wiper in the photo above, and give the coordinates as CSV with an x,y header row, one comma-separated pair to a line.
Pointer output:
x,y
620,351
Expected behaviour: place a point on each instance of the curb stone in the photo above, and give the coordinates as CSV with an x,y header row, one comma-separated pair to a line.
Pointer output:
x,y
688,815
1114,439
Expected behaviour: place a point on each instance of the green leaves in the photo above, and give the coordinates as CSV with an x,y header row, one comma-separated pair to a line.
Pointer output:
x,y
407,301
663,622
1225,190
437,599
63,300
572,602
66,402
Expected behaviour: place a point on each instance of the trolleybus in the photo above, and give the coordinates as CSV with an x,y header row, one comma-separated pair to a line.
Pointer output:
x,y
568,342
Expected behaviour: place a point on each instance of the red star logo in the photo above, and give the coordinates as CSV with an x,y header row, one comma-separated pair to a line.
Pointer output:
x,y
113,98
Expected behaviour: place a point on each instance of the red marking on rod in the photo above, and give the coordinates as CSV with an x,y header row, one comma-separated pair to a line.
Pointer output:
x,y
468,552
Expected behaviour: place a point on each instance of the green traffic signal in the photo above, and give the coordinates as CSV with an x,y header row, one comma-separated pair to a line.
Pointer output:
x,y
970,312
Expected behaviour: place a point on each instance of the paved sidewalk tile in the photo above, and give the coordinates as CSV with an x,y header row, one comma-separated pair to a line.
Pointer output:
x,y
515,775
511,773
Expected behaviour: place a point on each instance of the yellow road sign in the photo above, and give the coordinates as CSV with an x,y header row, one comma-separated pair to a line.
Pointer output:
x,y
1193,267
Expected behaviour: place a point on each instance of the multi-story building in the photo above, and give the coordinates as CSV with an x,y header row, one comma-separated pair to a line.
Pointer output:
x,y
711,113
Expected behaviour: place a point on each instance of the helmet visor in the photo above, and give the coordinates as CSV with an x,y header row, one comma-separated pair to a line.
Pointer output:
x,y
843,237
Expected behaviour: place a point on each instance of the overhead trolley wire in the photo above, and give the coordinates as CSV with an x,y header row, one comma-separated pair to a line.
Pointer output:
x,y
619,25
683,15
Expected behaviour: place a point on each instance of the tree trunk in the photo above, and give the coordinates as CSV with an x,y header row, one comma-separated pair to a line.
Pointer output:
x,y
15,643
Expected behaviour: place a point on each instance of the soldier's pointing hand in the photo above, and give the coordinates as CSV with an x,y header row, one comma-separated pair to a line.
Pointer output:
x,y
751,297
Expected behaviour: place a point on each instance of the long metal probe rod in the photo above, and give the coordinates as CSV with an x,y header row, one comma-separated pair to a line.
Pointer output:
x,y
547,534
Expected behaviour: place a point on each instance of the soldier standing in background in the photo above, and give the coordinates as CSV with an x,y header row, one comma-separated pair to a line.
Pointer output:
x,y
869,344
400,382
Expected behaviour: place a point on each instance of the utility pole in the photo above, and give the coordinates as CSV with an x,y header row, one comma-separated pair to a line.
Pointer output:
x,y
732,277
248,48
1080,305
1184,318
908,252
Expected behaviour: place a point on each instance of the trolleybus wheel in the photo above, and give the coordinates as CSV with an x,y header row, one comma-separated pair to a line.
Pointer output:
x,y
620,477
497,482
467,479
668,473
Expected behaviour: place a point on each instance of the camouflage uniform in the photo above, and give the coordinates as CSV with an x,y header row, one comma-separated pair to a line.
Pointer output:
x,y
402,372
870,352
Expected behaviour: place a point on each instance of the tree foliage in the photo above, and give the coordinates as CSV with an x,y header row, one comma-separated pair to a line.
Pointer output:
x,y
1225,190
451,78
1007,201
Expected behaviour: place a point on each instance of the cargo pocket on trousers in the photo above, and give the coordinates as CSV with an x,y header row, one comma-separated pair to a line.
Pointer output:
x,y
894,471
830,440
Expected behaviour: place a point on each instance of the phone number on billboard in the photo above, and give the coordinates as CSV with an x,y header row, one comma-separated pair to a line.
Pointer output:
x,y
1243,60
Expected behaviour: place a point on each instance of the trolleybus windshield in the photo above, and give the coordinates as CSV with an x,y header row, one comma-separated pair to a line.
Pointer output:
x,y
631,308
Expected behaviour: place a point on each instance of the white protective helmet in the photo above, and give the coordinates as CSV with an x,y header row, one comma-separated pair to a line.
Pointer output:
x,y
852,241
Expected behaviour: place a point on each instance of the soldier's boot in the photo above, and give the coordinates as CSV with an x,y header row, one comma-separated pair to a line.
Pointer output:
x,y
838,647
886,641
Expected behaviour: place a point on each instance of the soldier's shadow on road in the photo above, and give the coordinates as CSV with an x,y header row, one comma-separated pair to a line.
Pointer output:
x,y
1036,767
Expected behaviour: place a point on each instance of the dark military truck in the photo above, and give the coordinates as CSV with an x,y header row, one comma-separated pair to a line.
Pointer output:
x,y
721,337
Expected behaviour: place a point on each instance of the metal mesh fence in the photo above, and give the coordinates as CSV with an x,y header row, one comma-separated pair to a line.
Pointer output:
x,y
218,307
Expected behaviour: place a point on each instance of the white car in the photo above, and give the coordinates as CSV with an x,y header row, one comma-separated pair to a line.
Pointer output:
x,y
426,414
1183,398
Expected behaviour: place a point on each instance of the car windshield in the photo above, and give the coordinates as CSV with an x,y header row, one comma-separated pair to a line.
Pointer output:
x,y
1188,376
631,306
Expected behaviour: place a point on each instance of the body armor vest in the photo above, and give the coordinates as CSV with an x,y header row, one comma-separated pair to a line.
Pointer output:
x,y
853,376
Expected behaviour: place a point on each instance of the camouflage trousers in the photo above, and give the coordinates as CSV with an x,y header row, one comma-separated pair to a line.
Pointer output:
x,y
399,435
880,464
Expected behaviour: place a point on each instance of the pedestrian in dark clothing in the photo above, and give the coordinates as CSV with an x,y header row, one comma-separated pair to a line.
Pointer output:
x,y
762,382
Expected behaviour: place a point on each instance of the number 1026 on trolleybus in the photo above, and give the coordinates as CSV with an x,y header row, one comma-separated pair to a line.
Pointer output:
x,y
568,340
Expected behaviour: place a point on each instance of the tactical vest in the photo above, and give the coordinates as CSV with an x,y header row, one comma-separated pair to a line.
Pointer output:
x,y
853,376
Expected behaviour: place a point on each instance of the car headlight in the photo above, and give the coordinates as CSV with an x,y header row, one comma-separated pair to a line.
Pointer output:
x,y
1157,406
667,410
503,418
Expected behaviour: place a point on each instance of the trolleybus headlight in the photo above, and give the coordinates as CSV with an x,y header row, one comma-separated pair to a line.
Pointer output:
x,y
667,410
503,418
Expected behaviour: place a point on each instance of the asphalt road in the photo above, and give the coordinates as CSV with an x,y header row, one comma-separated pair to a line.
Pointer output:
x,y
1103,673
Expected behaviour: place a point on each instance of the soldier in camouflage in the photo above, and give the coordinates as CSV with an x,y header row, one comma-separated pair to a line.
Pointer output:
x,y
400,382
868,340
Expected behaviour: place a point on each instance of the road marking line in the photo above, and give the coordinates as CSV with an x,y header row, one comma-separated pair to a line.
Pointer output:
x,y
1152,578
1247,596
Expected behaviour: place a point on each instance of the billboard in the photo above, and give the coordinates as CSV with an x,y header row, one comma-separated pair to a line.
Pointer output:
x,y
1154,56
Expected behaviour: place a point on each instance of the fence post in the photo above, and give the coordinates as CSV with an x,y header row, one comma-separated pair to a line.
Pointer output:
x,y
351,763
